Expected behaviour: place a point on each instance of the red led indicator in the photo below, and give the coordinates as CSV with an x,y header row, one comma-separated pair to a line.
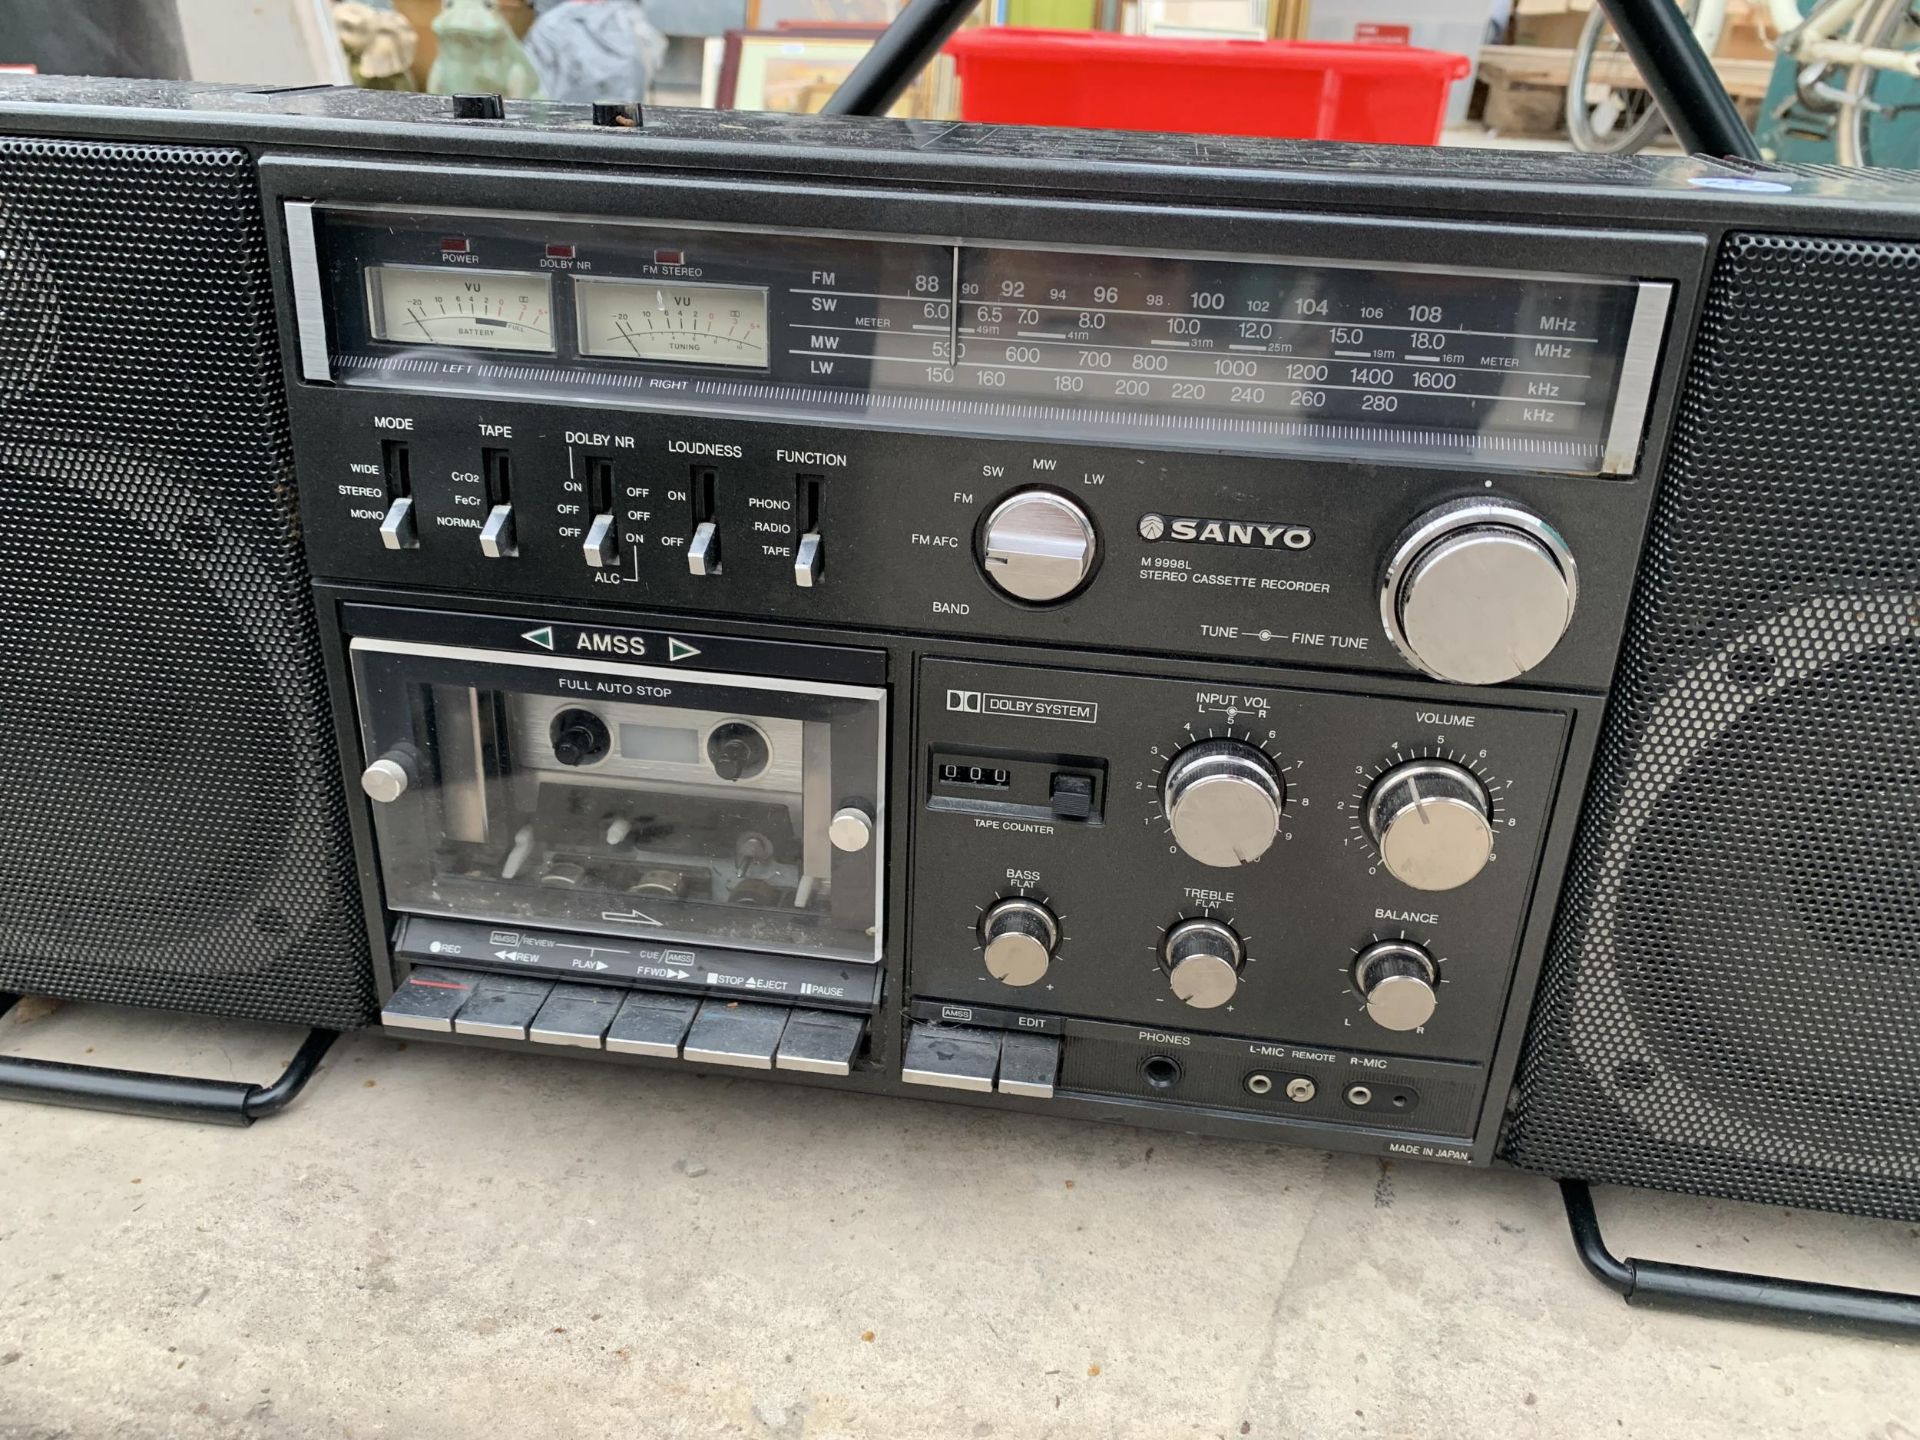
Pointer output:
x,y
669,257
560,252
454,245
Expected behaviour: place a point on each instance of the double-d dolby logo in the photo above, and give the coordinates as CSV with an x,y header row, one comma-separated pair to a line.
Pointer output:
x,y
1198,530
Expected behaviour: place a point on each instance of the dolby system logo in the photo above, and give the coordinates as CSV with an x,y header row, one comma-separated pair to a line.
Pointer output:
x,y
1197,530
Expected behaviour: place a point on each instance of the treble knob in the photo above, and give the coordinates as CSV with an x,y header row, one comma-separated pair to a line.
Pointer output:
x,y
1203,959
1019,937
1397,978
1432,822
1224,800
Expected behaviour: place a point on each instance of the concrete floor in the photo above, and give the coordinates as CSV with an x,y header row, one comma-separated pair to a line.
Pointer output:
x,y
437,1241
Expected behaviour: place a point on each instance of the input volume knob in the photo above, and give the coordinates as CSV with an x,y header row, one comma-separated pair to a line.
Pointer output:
x,y
1037,546
1224,800
1019,937
1203,959
1431,820
1478,592
1397,979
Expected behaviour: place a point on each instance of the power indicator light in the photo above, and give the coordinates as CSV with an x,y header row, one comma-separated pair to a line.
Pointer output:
x,y
560,252
455,245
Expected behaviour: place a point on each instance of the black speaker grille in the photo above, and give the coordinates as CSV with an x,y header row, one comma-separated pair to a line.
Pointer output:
x,y
1732,997
172,823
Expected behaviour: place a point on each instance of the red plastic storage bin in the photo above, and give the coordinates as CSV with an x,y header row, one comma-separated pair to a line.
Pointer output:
x,y
1389,94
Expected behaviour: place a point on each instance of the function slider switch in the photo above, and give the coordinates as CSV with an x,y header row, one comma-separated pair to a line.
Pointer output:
x,y
1397,979
1037,546
1019,937
1223,800
1431,820
1203,960
1478,592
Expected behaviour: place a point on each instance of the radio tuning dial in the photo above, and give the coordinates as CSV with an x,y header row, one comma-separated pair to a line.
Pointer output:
x,y
1478,592
1019,937
1202,960
1037,546
1397,979
1432,822
1224,800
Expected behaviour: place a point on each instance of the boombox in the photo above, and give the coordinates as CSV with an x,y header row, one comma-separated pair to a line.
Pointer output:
x,y
1409,652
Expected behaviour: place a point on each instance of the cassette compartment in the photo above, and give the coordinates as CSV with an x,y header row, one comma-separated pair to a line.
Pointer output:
x,y
623,799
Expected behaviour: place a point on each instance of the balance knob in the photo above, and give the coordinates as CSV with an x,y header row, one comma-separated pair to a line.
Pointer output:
x,y
1019,937
1478,592
1397,979
1224,800
1203,960
1037,546
1430,820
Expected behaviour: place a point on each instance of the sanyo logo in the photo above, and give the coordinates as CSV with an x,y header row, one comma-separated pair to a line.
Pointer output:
x,y
1196,530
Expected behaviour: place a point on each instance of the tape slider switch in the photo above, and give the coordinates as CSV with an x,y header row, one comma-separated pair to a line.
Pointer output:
x,y
820,1042
739,1033
951,1057
496,536
428,999
575,1015
652,1024
1028,1065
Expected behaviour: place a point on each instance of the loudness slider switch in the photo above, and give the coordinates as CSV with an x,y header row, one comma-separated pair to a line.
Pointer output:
x,y
1397,979
1019,937
1430,819
703,550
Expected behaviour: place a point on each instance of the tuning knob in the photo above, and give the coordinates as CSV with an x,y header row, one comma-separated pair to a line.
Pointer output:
x,y
1431,820
1224,800
1203,959
1019,937
1478,592
1037,546
1397,978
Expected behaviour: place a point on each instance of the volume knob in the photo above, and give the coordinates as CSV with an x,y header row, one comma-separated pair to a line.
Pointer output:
x,y
1478,592
1203,959
1037,546
1431,820
1224,800
1397,979
1019,937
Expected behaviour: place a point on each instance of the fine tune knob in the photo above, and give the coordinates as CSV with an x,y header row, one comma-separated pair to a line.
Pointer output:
x,y
1224,800
1397,979
1478,592
1019,937
1430,819
1203,959
1037,546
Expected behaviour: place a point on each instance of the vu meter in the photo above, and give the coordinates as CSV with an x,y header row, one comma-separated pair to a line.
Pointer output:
x,y
489,309
681,324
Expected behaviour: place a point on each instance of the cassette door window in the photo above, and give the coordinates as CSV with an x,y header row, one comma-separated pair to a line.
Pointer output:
x,y
626,799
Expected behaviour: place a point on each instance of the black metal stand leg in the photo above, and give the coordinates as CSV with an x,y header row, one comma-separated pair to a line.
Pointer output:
x,y
901,52
1731,1293
168,1097
1681,77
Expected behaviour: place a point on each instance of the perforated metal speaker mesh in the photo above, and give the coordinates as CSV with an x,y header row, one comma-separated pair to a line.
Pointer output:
x,y
1732,998
172,825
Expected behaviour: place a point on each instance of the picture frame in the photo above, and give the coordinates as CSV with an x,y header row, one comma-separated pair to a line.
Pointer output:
x,y
793,70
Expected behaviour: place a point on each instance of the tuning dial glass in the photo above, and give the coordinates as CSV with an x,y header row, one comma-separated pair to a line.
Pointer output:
x,y
1203,960
1432,821
1019,937
1037,546
1224,800
1478,592
1397,978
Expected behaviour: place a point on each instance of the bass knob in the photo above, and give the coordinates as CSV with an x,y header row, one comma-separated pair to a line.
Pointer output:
x,y
1203,960
1433,823
1224,800
1019,937
1397,978
1478,592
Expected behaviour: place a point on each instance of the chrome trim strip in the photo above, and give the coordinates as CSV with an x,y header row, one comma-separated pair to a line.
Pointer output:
x,y
1634,391
309,298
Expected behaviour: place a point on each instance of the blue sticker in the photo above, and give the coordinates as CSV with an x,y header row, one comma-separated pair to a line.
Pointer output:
x,y
1741,183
